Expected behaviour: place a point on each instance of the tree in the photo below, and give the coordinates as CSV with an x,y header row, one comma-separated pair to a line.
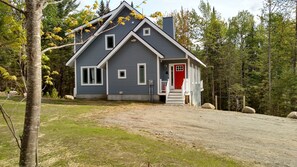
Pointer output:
x,y
240,27
33,14
54,17
103,8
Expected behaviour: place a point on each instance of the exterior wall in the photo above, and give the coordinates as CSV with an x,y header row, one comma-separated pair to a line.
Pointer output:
x,y
89,90
160,43
195,79
127,58
95,52
134,97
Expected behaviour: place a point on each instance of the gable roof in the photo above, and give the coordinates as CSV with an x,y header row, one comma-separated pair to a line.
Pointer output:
x,y
114,13
119,46
158,29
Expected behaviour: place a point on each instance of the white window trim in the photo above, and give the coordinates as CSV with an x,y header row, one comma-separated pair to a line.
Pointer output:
x,y
146,29
95,71
122,70
106,43
138,72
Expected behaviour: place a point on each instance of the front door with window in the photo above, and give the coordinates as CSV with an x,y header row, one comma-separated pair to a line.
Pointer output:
x,y
179,75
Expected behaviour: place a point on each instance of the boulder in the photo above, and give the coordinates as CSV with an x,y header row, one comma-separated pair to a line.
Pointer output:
x,y
208,106
13,93
292,115
69,97
248,110
2,94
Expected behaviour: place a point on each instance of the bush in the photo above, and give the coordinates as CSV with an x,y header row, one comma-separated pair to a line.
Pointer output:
x,y
54,93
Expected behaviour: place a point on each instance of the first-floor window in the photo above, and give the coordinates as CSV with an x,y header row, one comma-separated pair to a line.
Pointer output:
x,y
141,74
91,76
122,74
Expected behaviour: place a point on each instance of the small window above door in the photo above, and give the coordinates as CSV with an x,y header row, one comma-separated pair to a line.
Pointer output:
x,y
179,68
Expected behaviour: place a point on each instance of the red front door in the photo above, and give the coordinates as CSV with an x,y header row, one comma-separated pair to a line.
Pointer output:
x,y
179,75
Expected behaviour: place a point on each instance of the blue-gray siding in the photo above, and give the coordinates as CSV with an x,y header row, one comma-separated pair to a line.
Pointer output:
x,y
95,52
127,58
90,89
168,26
163,45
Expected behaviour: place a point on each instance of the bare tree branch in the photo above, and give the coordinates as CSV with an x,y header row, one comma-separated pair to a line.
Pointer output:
x,y
10,125
51,3
79,43
12,6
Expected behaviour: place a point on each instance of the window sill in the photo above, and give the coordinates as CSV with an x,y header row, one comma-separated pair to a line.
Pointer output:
x,y
91,84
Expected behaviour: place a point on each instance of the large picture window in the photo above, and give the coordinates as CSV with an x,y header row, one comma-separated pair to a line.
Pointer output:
x,y
109,41
91,76
141,74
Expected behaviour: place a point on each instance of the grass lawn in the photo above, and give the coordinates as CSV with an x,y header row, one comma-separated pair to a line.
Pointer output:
x,y
69,136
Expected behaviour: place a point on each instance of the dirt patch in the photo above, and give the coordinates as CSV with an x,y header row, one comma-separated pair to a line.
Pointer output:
x,y
260,139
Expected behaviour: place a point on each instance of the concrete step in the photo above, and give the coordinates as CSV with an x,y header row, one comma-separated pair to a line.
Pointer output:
x,y
174,102
175,94
175,97
175,91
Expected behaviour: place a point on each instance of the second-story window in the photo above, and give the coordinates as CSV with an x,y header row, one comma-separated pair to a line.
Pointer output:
x,y
109,41
146,32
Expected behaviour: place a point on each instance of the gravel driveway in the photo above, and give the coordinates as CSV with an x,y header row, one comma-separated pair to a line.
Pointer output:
x,y
260,139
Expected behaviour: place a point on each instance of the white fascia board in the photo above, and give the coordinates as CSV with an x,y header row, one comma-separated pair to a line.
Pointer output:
x,y
169,38
96,34
123,42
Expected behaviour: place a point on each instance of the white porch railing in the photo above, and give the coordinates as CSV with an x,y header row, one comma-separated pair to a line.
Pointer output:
x,y
163,85
184,88
167,89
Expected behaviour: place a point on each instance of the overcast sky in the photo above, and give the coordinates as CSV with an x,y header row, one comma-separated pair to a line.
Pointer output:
x,y
227,8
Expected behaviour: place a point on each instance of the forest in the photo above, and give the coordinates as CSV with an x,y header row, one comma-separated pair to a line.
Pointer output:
x,y
246,55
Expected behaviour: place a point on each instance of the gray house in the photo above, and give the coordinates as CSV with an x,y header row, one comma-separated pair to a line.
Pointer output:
x,y
137,61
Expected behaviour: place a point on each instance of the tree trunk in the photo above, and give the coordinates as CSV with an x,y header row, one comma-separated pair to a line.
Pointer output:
x,y
28,154
295,54
269,56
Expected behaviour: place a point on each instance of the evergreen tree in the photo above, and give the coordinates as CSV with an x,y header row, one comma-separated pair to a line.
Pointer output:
x,y
103,8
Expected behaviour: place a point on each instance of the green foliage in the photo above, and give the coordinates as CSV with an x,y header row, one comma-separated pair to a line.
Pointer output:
x,y
54,93
103,8
6,75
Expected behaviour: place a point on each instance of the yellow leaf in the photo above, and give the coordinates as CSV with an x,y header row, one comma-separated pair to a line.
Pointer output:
x,y
51,44
71,35
57,29
13,78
